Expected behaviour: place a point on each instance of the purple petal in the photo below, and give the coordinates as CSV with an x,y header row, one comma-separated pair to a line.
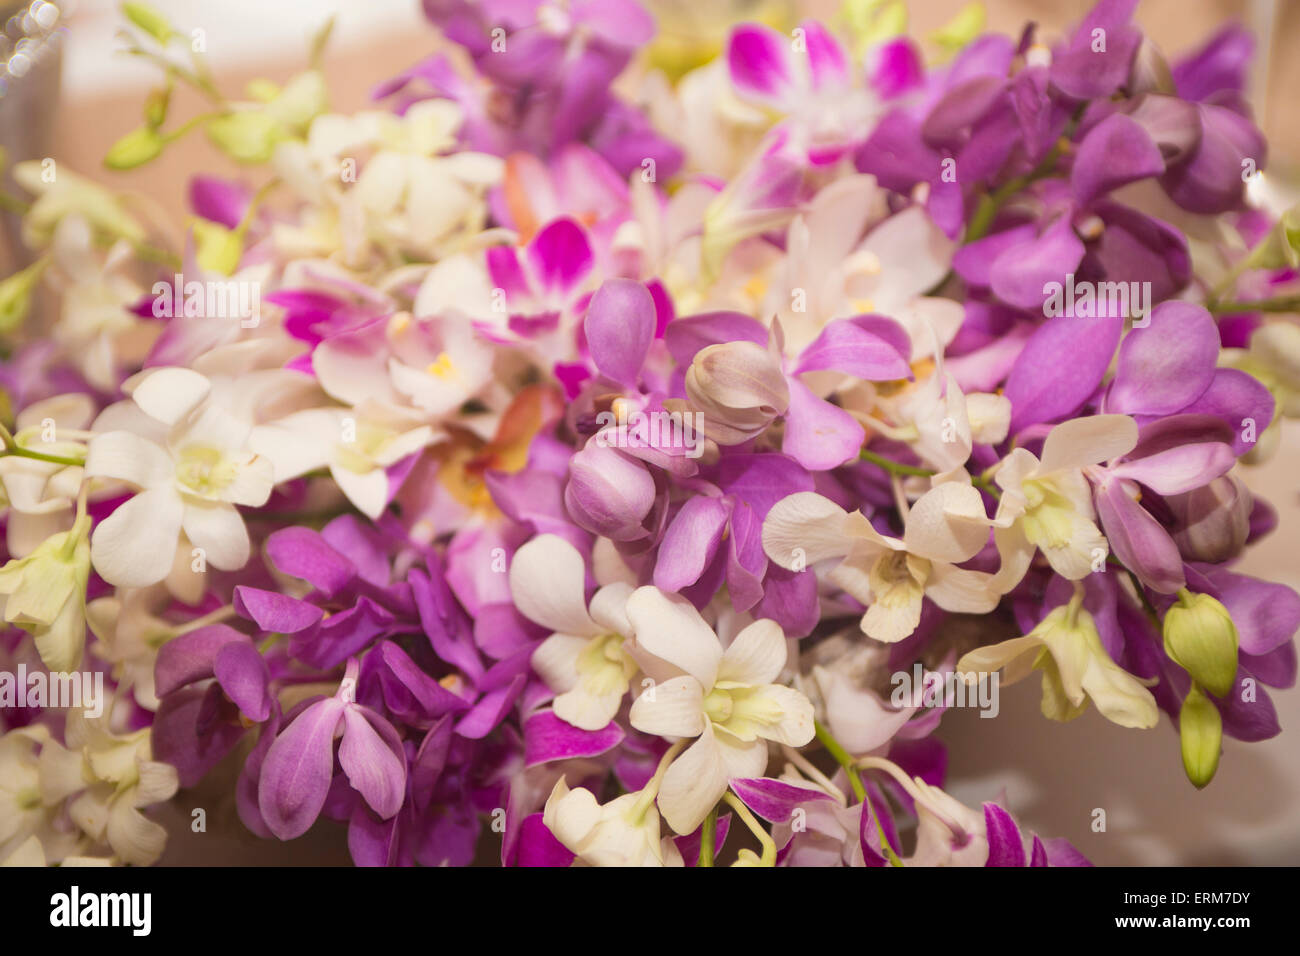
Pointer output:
x,y
547,738
218,200
1060,367
1006,845
1116,152
1019,275
896,69
275,613
687,335
243,675
176,738
1239,399
1179,470
1168,364
620,325
490,710
303,553
1210,180
373,764
774,800
1138,540
538,845
560,256
189,657
819,435
690,542
758,59
410,693
296,774
856,349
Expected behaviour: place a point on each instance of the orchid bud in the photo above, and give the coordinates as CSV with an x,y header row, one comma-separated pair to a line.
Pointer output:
x,y
739,387
1201,638
609,493
1212,522
1200,733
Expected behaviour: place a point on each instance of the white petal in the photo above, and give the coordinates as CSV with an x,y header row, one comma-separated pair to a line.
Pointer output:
x,y
609,608
960,590
133,547
217,528
694,783
588,711
1088,441
674,708
805,528
168,394
547,581
947,523
367,490
128,457
986,660
669,627
756,656
556,661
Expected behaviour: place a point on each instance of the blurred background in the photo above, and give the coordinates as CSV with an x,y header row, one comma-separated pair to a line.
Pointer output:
x,y
1053,776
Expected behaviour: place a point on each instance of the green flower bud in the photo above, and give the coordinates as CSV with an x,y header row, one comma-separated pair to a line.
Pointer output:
x,y
218,249
246,137
155,106
1200,732
45,594
134,149
149,20
1201,638
16,295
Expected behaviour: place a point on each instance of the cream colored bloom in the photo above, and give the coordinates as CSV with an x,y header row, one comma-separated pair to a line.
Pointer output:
x,y
584,661
191,461
727,699
1067,648
1047,504
945,527
623,832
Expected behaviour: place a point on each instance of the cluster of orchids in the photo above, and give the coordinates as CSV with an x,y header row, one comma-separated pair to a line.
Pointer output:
x,y
559,460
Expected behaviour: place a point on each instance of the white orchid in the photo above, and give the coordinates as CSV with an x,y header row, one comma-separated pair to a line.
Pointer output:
x,y
357,445
584,661
41,494
1067,648
1047,503
190,459
725,698
945,527
623,832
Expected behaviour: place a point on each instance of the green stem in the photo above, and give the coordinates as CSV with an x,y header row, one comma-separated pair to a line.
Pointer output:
x,y
1282,303
11,447
898,468
768,856
707,836
842,757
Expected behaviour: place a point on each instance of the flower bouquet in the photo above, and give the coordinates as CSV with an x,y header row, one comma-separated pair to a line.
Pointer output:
x,y
610,450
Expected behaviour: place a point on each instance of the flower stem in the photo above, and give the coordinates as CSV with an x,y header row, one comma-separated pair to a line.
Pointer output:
x,y
842,757
651,789
1282,303
768,856
707,836
11,447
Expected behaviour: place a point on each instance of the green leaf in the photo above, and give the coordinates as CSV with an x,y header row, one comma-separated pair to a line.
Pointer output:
x,y
149,20
134,149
